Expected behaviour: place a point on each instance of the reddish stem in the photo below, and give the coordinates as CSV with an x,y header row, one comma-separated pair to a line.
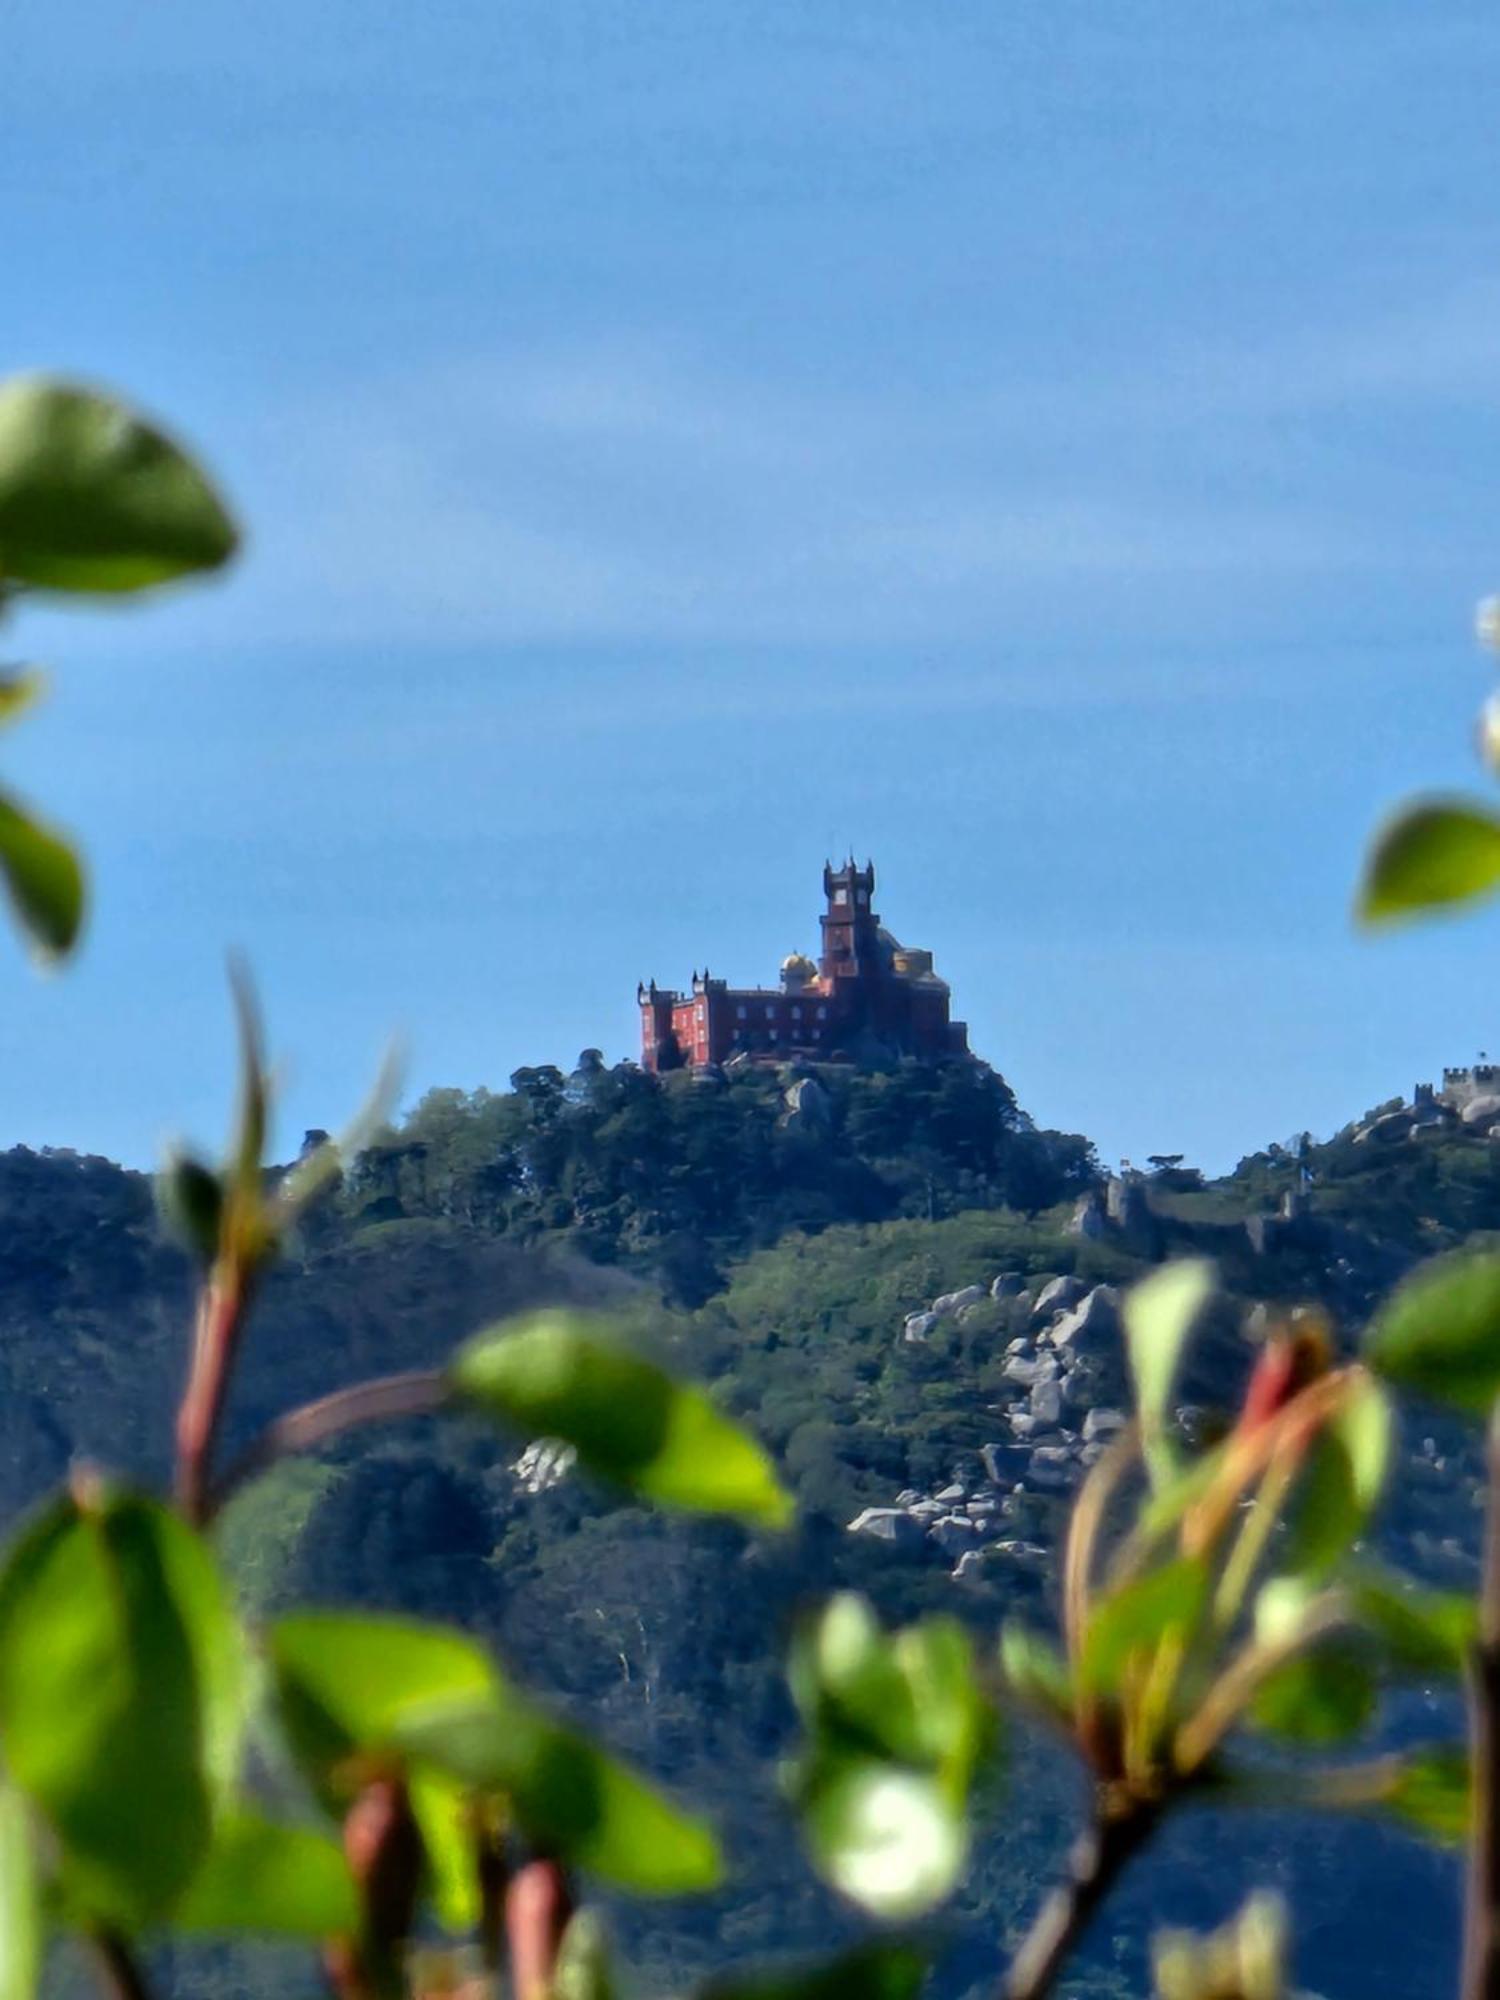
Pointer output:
x,y
538,1904
220,1315
385,1855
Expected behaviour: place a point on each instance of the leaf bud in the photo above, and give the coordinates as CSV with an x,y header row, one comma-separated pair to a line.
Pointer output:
x,y
190,1197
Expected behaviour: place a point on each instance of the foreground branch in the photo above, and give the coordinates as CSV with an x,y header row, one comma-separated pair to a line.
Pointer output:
x,y
1481,1970
421,1392
1099,1855
222,1304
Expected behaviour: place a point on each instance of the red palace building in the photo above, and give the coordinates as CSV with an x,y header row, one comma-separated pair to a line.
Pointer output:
x,y
868,996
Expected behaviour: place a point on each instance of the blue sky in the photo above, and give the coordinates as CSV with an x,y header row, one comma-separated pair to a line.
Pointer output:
x,y
1052,449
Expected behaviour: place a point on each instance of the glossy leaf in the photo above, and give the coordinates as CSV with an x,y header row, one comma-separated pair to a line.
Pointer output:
x,y
1168,1601
1430,1792
21,1936
1439,1332
1160,1313
870,1972
120,1695
44,880
281,1881
571,1798
92,498
1430,855
560,1375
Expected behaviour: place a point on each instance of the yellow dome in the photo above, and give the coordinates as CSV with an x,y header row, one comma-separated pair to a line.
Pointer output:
x,y
797,961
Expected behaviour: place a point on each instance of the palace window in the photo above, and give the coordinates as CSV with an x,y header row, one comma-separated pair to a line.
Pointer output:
x,y
742,1013
796,1013
841,895
822,1013
770,1013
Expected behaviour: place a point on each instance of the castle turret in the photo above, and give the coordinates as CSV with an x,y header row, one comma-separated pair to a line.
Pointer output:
x,y
851,929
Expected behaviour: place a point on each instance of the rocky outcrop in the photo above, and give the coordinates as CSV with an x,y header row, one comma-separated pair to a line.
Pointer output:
x,y
1094,1319
808,1106
542,1465
889,1524
1068,1376
1055,1297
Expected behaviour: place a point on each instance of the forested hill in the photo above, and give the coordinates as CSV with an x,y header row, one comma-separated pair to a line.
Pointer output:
x,y
784,1236
681,1174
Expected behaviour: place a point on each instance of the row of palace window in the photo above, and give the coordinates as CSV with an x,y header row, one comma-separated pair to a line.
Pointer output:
x,y
742,1013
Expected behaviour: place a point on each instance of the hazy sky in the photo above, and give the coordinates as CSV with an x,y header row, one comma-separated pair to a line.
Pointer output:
x,y
1053,448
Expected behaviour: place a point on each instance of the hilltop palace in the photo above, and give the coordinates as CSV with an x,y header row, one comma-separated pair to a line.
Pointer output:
x,y
867,995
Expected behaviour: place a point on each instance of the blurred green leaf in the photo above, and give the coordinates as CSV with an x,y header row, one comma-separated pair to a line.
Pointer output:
x,y
1419,1631
1439,1332
1322,1696
1430,1791
1346,1470
909,1696
21,1935
1160,1313
319,1169
571,1798
891,1839
1036,1672
282,1881
560,1375
441,1808
583,1970
44,880
120,1695
1168,1600
94,499
345,1684
190,1196
1245,1960
895,1728
870,1972
1429,856
20,689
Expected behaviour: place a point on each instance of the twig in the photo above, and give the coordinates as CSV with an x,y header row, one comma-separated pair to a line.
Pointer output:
x,y
122,1977
216,1329
538,1903
1099,1855
421,1392
1481,1963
